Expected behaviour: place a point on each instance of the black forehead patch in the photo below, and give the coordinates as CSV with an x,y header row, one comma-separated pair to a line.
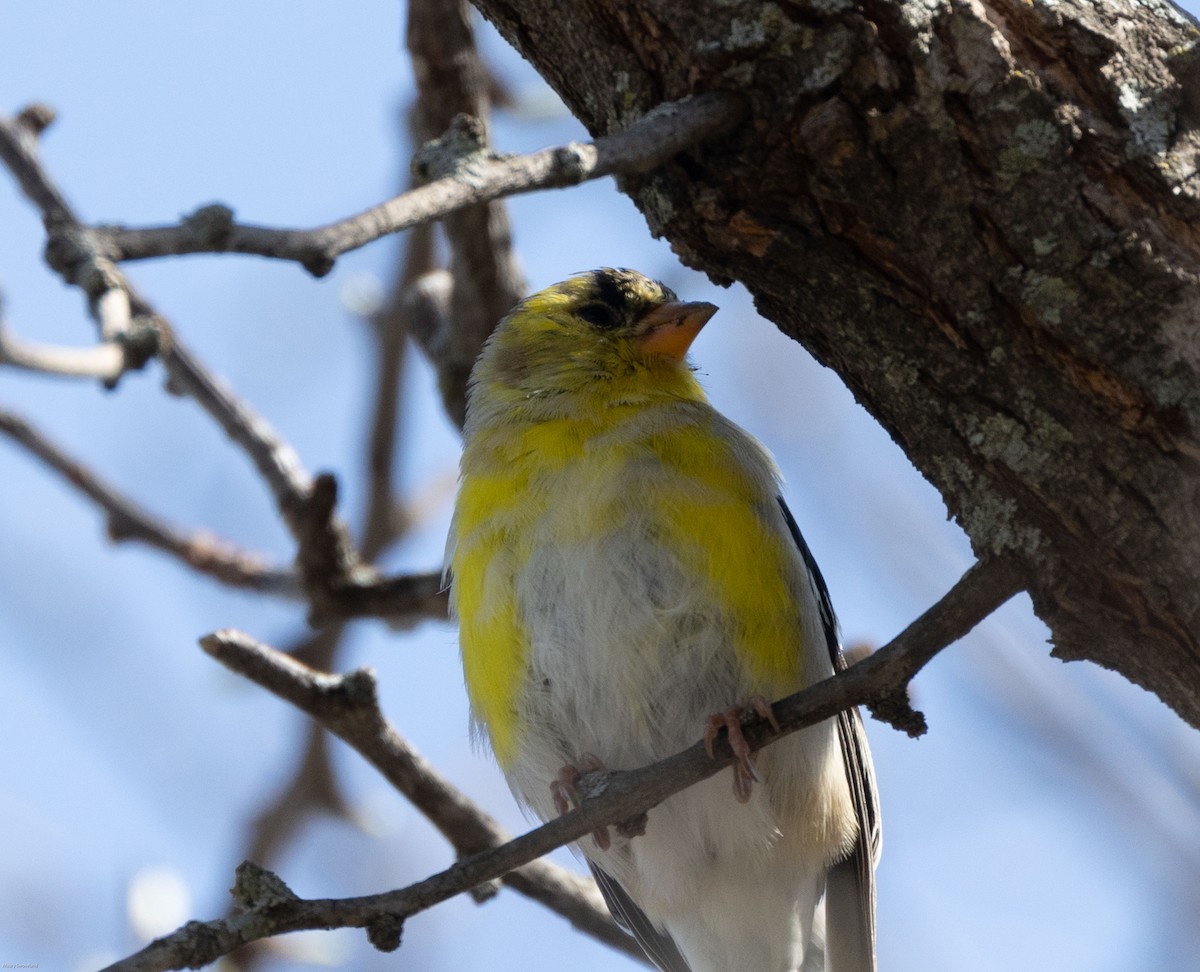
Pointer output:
x,y
628,292
610,291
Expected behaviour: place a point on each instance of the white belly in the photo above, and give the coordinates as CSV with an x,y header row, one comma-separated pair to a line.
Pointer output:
x,y
626,661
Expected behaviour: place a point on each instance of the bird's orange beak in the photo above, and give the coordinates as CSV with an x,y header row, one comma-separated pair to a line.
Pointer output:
x,y
670,329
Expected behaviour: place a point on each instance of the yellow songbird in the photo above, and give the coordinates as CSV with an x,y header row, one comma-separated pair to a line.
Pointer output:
x,y
626,576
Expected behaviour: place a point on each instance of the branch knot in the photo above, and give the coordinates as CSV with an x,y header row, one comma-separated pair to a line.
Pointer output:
x,y
257,889
212,224
385,932
464,142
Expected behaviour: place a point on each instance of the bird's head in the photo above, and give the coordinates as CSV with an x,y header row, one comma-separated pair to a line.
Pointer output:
x,y
606,324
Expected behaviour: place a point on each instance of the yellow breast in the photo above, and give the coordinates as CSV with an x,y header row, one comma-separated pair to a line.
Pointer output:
x,y
579,472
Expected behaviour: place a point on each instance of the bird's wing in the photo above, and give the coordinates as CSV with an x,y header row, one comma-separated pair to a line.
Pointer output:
x,y
850,884
659,947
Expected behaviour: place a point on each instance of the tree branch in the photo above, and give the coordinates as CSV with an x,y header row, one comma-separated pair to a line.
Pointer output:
x,y
78,255
105,361
276,461
452,97
646,144
391,325
201,551
109,303
81,257
347,705
18,150
399,600
313,787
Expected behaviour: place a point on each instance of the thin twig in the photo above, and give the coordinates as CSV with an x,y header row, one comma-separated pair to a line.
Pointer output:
x,y
610,797
18,150
276,461
400,600
83,259
104,361
981,590
392,325
452,97
313,787
648,143
91,270
127,521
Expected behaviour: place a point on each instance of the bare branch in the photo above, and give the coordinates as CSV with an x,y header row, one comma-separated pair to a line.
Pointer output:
x,y
646,144
342,701
81,258
486,280
313,787
339,587
311,790
400,600
104,361
18,150
979,592
87,267
348,707
275,460
201,551
392,325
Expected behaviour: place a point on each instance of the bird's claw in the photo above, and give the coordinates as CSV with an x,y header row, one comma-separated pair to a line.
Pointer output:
x,y
565,791
744,774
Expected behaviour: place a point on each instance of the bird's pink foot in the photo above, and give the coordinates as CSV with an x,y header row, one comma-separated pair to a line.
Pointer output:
x,y
744,776
565,790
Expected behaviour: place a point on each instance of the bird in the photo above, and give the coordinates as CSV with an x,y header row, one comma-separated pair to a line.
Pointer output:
x,y
627,578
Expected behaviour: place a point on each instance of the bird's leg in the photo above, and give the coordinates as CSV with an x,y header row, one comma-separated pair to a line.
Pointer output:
x,y
565,790
744,776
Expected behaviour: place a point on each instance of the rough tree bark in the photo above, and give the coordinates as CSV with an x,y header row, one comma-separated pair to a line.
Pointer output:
x,y
982,215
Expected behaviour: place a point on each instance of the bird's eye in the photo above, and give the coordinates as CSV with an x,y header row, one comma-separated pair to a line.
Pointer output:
x,y
598,315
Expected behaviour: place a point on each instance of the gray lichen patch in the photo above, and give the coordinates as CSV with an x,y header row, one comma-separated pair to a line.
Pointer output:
x,y
1048,297
1150,117
1033,143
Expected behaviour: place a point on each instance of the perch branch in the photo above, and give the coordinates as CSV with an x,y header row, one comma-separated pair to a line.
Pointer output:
x,y
610,797
348,707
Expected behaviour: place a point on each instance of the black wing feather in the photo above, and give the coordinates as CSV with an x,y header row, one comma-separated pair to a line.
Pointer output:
x,y
850,886
659,947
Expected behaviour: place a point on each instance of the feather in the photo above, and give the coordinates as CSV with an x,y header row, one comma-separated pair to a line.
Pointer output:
x,y
659,947
850,884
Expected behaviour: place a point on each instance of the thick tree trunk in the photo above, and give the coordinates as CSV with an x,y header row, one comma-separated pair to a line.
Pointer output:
x,y
983,216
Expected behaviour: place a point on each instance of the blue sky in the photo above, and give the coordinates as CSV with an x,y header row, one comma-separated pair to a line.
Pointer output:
x,y
1048,821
